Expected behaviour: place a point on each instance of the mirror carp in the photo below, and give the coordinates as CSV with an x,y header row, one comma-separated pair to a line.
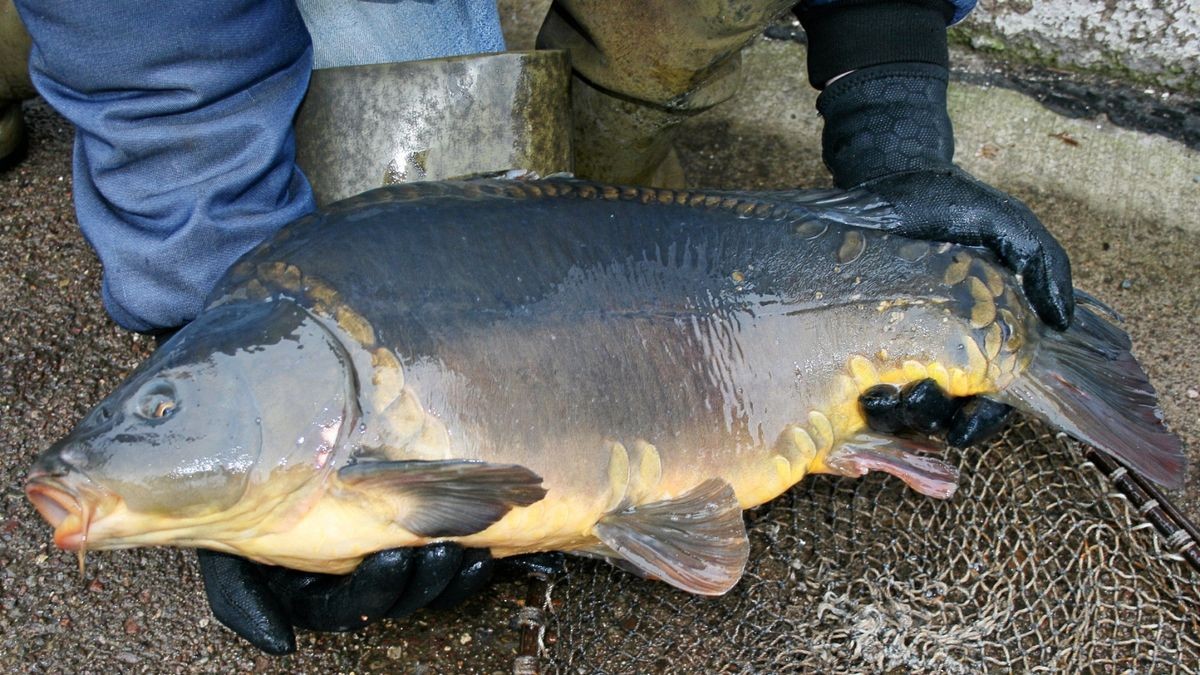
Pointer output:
x,y
561,365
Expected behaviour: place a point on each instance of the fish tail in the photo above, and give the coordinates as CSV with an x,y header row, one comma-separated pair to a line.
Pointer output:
x,y
1084,381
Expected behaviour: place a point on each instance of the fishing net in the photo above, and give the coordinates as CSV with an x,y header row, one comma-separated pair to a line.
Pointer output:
x,y
1034,565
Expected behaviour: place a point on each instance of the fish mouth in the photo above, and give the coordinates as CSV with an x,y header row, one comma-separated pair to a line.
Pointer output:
x,y
63,508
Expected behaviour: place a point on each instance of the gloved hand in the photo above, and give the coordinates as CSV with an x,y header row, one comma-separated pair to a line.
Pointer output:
x,y
924,407
262,603
883,65
887,132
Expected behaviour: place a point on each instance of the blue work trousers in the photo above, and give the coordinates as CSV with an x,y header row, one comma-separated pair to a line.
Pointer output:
x,y
184,154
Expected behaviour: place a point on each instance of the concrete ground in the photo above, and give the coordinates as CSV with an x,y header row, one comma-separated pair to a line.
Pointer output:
x,y
1124,204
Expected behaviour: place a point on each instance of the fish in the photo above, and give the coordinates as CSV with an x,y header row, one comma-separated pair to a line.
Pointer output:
x,y
559,365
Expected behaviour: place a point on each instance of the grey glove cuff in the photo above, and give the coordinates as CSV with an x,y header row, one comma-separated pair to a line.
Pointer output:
x,y
884,120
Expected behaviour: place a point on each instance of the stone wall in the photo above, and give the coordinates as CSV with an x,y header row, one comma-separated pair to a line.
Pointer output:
x,y
1153,42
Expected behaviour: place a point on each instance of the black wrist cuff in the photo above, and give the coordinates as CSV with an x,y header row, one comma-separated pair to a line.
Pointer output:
x,y
884,120
856,34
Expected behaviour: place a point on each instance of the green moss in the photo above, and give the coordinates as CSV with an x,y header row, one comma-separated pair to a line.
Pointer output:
x,y
1026,51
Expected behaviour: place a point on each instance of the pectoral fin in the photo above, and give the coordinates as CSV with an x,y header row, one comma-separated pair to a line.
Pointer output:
x,y
869,452
696,542
450,498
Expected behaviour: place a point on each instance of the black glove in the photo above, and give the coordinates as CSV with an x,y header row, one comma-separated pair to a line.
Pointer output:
x,y
262,603
924,407
883,65
887,132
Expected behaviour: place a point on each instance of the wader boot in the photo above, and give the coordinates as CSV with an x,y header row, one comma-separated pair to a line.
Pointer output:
x,y
642,68
14,83
361,127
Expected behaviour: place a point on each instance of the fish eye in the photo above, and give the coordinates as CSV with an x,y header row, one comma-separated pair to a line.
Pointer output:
x,y
157,401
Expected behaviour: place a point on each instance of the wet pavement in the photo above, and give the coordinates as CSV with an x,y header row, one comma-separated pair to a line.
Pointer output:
x,y
1124,204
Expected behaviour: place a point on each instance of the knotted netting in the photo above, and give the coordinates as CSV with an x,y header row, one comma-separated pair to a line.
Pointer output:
x,y
1037,564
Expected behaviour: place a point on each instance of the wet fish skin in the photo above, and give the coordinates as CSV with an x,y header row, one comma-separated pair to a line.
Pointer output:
x,y
559,365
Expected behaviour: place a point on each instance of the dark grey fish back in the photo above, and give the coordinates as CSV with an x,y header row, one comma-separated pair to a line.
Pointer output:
x,y
498,246
558,309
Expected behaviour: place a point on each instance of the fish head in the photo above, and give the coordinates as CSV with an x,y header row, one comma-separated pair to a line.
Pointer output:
x,y
211,437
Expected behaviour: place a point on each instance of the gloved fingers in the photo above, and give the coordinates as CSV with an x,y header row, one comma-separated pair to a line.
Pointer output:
x,y
435,566
478,567
474,573
951,205
881,406
241,600
547,564
925,407
976,421
917,406
327,602
1047,283
1015,234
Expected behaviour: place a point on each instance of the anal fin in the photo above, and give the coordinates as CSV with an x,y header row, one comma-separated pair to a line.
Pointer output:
x,y
445,498
696,541
870,452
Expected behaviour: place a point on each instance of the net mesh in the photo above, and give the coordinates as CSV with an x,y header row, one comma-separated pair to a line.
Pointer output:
x,y
1035,565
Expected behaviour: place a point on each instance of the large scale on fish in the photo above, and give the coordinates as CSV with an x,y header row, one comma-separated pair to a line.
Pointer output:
x,y
559,365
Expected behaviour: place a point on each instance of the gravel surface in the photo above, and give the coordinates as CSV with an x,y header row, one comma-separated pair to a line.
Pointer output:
x,y
139,610
144,610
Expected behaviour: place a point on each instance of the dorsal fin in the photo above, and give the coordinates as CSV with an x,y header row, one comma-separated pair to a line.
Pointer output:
x,y
696,541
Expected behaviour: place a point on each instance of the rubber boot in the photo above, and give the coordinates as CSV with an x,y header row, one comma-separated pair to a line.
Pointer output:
x,y
641,69
12,134
15,85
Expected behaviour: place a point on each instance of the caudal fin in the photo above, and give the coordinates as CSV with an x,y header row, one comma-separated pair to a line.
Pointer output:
x,y
1084,381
